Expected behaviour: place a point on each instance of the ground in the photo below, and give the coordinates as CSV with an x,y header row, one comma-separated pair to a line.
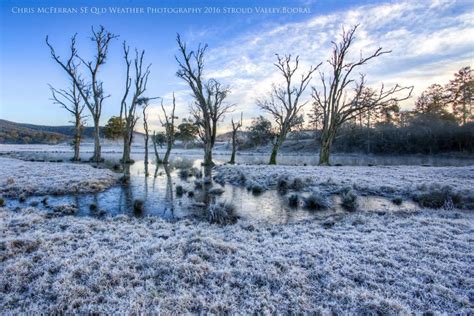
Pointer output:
x,y
356,262
359,263
35,178
377,180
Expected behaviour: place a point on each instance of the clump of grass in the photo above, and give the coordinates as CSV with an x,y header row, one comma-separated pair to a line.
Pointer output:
x,y
398,200
222,213
138,206
182,163
93,207
436,196
349,199
297,184
34,203
191,194
21,198
64,210
257,189
184,173
216,191
44,201
179,190
2,202
293,200
198,174
283,183
316,201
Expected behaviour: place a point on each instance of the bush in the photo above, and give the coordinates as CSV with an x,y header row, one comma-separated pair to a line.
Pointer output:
x,y
397,200
138,206
179,190
349,199
436,196
297,184
316,201
2,202
181,163
222,213
283,183
184,173
293,200
257,189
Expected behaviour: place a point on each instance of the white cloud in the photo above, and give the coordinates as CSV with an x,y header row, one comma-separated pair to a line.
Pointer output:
x,y
428,41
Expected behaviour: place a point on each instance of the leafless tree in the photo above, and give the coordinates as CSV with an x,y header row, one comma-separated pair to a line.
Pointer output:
x,y
91,91
147,135
209,106
71,100
338,102
235,128
128,108
155,140
284,103
169,126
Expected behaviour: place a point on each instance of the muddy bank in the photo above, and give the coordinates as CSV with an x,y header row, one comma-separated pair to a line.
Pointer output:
x,y
358,263
18,177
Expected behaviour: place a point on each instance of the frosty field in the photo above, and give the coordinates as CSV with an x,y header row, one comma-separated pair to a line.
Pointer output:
x,y
377,261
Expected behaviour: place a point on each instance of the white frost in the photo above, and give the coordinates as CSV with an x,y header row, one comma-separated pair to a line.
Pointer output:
x,y
360,263
24,177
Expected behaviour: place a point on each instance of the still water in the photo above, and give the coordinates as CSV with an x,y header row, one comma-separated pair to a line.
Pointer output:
x,y
157,195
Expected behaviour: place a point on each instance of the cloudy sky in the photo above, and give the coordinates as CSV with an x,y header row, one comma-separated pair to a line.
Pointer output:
x,y
429,40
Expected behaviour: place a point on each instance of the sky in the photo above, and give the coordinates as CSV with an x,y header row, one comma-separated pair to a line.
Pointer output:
x,y
430,40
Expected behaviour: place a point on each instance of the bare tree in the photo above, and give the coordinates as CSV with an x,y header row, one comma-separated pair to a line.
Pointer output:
x,y
209,107
92,92
168,124
71,100
284,102
147,134
129,105
157,140
339,102
235,128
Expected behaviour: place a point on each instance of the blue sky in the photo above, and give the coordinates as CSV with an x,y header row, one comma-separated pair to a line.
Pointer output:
x,y
429,40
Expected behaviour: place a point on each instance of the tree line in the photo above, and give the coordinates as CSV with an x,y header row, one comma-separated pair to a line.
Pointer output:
x,y
341,101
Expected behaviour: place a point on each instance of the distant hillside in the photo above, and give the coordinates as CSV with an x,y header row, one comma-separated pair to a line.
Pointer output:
x,y
16,133
68,131
20,133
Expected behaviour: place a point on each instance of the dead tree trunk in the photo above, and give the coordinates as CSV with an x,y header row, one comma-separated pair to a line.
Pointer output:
x,y
71,101
209,96
168,123
128,107
145,127
157,155
284,101
338,103
93,92
235,128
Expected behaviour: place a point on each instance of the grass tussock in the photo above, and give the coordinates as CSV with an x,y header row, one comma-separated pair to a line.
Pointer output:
x,y
436,196
179,190
349,199
222,213
316,201
293,200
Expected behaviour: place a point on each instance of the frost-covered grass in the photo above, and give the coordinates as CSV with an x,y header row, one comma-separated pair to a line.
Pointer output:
x,y
18,177
388,263
378,180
